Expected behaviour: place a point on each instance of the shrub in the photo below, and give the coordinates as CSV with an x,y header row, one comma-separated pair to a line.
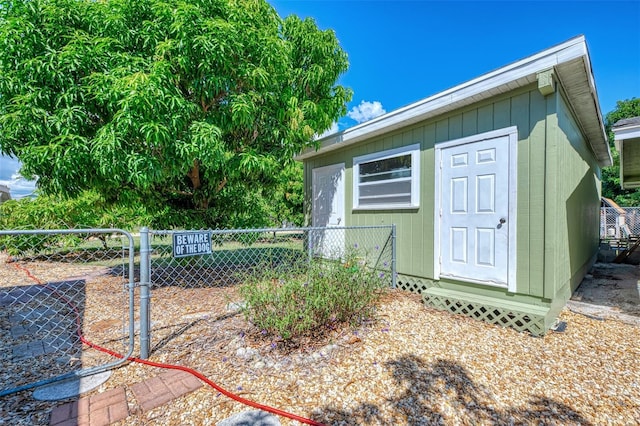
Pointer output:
x,y
88,210
292,302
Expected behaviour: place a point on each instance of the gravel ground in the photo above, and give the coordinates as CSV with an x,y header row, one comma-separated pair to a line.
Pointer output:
x,y
411,365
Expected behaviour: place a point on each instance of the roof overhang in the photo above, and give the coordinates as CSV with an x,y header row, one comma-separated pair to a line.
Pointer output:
x,y
627,139
571,67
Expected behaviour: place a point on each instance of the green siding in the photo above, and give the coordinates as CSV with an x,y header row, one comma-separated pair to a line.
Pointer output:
x,y
470,123
455,127
502,114
485,118
531,189
574,190
549,145
552,245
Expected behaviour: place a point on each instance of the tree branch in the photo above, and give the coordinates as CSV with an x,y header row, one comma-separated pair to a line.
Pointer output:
x,y
194,175
221,185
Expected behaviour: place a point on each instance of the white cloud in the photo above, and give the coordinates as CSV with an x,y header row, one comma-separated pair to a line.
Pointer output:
x,y
331,130
9,176
366,111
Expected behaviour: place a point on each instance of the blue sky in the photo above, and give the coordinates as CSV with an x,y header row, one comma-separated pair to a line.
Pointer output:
x,y
9,176
404,51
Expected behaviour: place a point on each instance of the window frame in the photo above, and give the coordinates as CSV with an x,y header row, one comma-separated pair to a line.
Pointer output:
x,y
414,203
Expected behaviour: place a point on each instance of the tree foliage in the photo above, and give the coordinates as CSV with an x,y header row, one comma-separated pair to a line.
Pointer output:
x,y
87,210
191,108
287,200
84,211
611,175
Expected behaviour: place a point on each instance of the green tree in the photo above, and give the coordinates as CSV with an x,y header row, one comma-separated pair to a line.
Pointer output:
x,y
611,175
287,198
87,210
84,211
190,108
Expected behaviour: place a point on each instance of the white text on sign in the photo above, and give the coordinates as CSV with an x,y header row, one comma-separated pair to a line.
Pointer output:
x,y
191,244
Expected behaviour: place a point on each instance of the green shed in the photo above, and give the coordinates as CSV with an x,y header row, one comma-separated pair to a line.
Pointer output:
x,y
493,185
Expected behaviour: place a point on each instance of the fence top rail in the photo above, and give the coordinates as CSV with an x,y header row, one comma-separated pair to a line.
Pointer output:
x,y
268,230
65,231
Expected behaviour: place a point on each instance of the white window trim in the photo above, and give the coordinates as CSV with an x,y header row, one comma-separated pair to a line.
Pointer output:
x,y
414,150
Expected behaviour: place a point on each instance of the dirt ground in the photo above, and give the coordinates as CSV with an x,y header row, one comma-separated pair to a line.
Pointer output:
x,y
610,291
409,365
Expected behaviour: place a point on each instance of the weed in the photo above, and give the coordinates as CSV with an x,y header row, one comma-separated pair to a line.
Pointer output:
x,y
293,302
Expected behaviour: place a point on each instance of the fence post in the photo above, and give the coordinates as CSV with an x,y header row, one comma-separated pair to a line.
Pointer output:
x,y
393,255
145,299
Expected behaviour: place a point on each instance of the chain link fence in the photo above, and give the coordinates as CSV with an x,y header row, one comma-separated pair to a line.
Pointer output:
x,y
194,275
619,223
68,297
60,290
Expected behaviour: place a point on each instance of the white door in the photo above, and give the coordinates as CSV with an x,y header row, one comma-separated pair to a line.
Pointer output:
x,y
477,210
328,210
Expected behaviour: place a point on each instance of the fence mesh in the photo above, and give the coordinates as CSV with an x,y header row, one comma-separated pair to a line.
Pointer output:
x,y
619,223
195,299
56,286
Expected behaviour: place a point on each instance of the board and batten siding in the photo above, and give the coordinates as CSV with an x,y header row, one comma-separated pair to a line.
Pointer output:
x,y
573,192
526,109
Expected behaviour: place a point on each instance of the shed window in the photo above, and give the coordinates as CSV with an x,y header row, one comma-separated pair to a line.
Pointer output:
x,y
388,179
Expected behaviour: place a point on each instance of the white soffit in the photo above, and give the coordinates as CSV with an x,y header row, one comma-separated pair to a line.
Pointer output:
x,y
577,74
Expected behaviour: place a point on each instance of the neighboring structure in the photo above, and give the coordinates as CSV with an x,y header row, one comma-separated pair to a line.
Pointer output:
x,y
494,186
5,194
627,139
613,221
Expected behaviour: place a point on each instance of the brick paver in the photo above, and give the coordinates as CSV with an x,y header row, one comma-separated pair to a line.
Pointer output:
x,y
167,386
111,406
48,345
99,410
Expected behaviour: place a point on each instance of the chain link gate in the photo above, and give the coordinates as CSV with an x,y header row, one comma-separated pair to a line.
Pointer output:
x,y
61,292
193,275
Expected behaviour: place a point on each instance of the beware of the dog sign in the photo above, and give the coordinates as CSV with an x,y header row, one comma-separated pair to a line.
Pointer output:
x,y
191,244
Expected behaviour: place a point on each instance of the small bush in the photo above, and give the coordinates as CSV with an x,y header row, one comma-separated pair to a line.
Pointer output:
x,y
87,210
293,303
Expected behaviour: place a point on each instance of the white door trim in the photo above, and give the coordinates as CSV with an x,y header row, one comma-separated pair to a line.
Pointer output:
x,y
512,134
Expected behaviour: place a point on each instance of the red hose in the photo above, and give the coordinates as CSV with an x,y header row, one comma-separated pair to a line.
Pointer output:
x,y
167,366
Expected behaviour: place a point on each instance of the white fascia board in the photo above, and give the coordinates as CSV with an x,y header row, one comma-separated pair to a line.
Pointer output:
x,y
473,89
624,133
594,94
627,132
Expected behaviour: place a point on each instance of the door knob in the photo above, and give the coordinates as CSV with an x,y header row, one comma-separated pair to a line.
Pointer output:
x,y
502,220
